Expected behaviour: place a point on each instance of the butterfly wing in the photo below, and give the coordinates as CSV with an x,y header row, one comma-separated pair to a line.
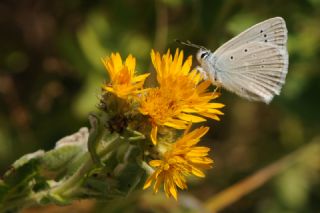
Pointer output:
x,y
271,31
254,70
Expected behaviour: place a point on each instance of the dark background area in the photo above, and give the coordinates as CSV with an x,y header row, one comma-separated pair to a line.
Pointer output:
x,y
51,74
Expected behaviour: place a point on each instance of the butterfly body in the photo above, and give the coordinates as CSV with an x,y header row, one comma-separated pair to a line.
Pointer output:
x,y
253,64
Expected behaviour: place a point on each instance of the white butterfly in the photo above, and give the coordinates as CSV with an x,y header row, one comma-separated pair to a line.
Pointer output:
x,y
254,64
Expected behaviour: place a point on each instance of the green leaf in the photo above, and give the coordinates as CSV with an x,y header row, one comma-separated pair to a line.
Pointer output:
x,y
58,161
18,182
67,155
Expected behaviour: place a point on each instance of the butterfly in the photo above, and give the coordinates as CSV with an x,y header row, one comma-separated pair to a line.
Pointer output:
x,y
253,65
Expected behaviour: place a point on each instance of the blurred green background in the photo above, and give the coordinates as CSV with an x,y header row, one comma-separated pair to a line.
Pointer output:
x,y
51,73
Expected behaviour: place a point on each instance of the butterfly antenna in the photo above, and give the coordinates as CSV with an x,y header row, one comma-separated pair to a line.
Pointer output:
x,y
188,43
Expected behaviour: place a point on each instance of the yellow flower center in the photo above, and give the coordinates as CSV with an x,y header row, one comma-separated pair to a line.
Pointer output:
x,y
161,104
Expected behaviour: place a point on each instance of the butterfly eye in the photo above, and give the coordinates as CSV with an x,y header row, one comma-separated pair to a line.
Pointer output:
x,y
204,54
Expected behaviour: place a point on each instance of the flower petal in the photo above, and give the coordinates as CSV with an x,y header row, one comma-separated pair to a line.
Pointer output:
x,y
154,133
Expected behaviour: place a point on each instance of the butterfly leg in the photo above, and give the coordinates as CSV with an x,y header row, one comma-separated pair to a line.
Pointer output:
x,y
203,73
217,89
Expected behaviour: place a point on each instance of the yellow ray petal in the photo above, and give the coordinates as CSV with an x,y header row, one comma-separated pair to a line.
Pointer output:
x,y
191,118
154,133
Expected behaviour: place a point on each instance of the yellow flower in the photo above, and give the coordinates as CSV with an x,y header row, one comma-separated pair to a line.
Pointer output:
x,y
123,80
184,158
180,95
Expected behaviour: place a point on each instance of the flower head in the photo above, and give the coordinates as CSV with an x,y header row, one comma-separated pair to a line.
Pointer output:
x,y
181,97
182,159
122,75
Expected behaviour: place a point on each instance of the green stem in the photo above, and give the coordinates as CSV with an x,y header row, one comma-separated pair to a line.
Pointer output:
x,y
96,134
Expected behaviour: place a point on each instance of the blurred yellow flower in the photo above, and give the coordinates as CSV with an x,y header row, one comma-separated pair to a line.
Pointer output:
x,y
182,159
122,76
180,95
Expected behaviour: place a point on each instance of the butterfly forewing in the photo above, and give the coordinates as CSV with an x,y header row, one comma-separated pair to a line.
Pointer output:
x,y
254,70
271,31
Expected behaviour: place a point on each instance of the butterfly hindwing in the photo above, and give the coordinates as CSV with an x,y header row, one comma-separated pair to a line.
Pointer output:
x,y
254,70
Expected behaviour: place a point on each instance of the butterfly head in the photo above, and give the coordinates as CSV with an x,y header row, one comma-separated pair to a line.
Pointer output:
x,y
202,55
